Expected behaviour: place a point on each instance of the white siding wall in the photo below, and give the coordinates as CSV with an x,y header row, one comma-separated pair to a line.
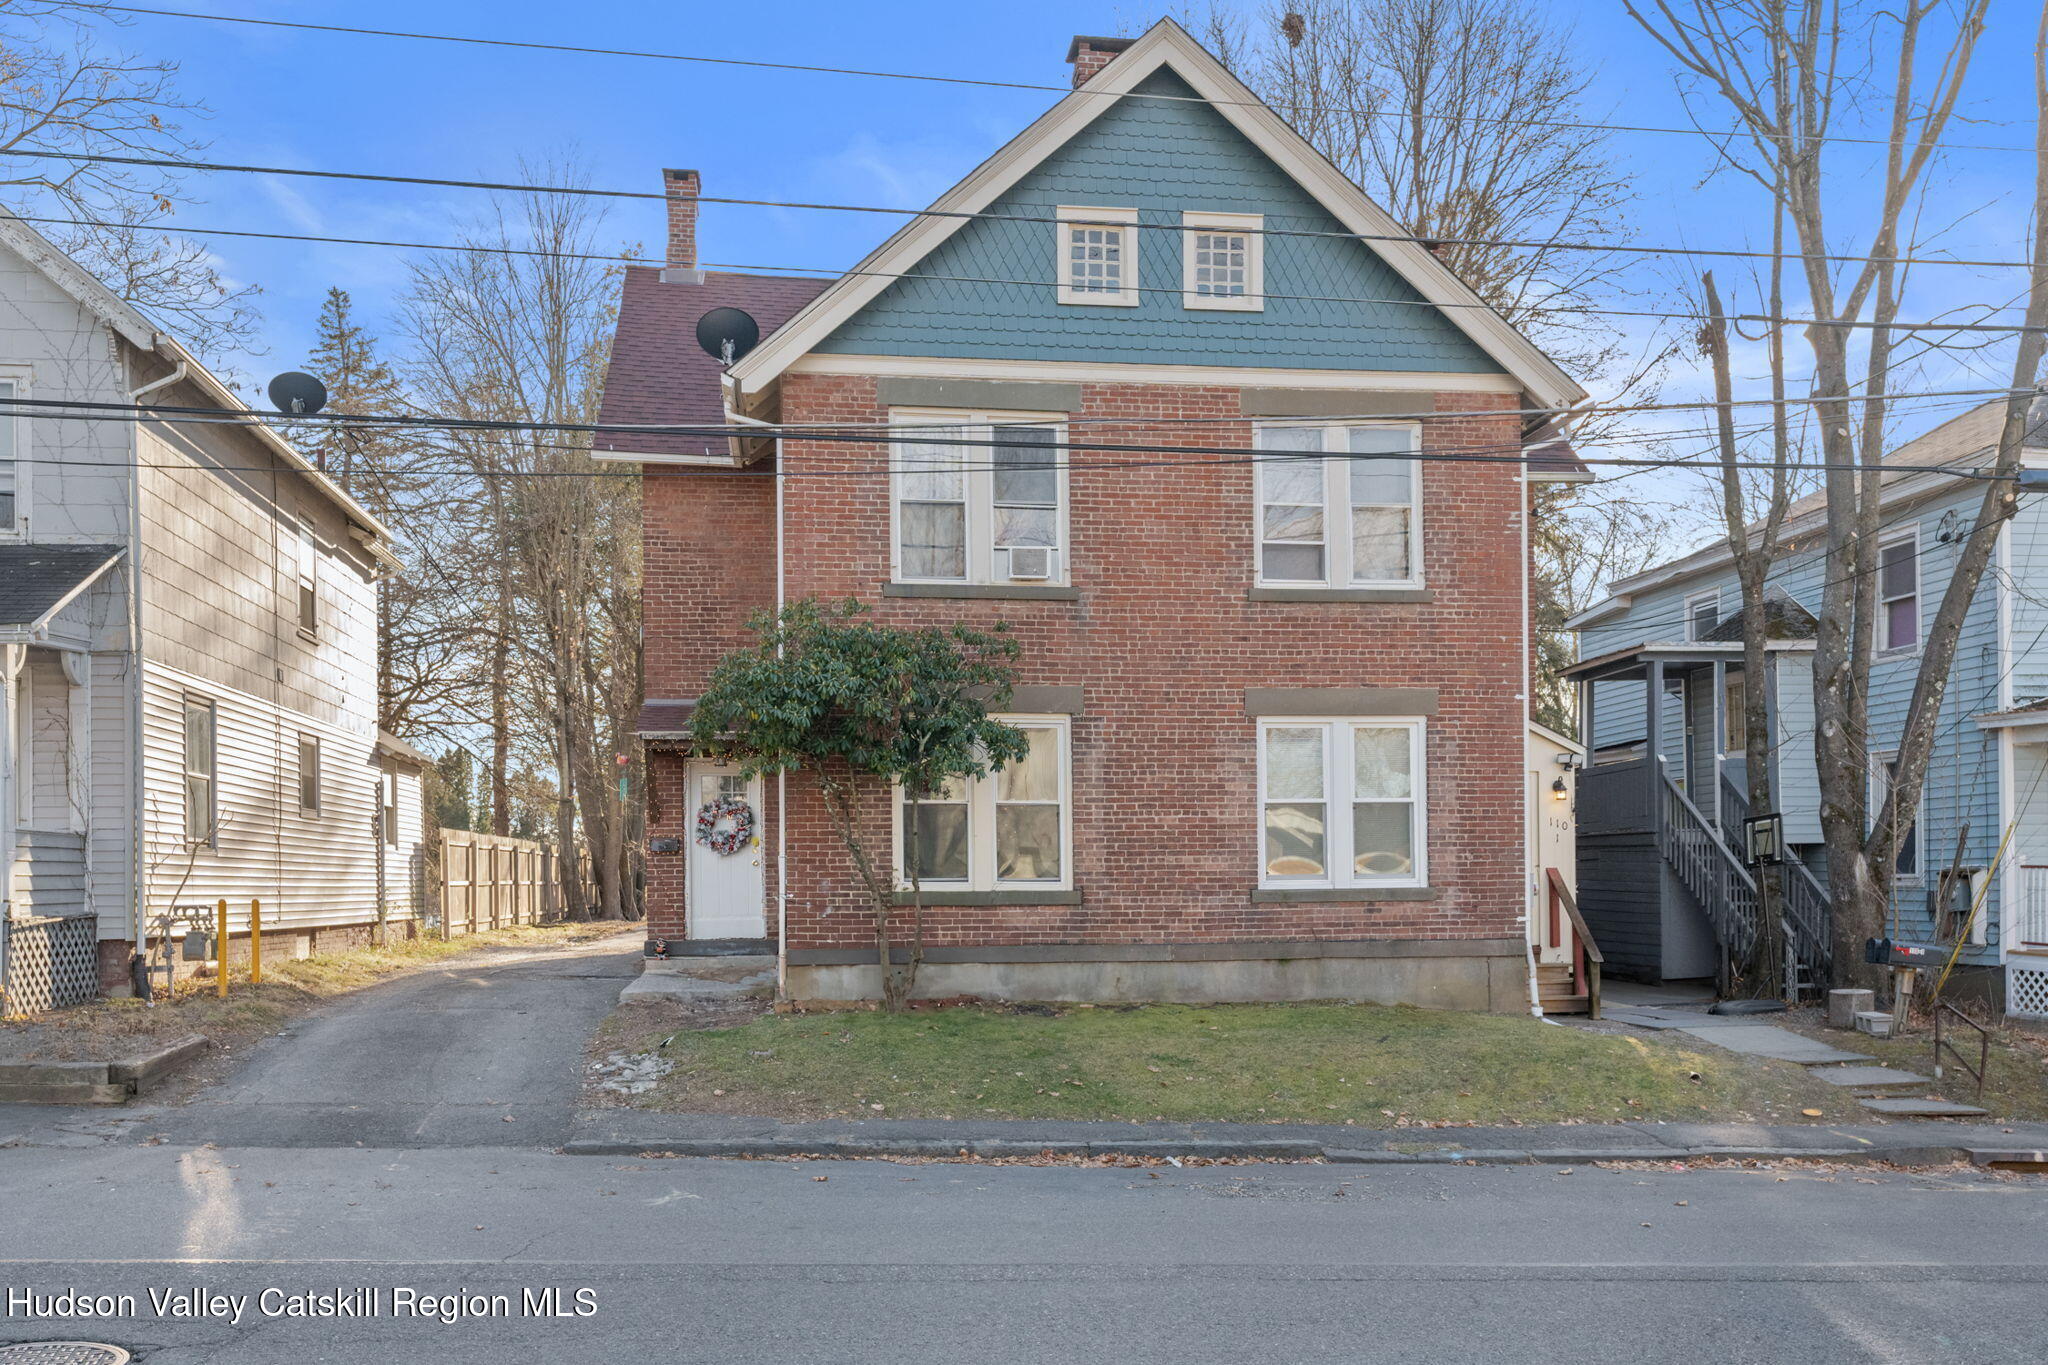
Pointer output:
x,y
307,868
111,807
220,620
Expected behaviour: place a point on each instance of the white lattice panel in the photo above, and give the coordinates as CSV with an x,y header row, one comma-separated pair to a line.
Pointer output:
x,y
2026,988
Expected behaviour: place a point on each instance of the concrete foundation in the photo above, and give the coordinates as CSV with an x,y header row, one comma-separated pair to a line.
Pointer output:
x,y
1433,975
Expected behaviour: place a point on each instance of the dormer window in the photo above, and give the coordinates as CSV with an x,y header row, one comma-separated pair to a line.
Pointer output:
x,y
1222,261
1098,256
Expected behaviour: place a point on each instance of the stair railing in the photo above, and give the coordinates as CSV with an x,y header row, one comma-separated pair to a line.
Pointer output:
x,y
1705,867
1586,957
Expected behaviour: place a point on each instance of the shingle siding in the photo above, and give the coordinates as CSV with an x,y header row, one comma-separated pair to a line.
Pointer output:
x,y
1160,157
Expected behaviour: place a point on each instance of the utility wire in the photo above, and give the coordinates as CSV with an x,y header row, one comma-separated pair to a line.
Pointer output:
x,y
1209,455
827,273
918,433
175,163
1063,90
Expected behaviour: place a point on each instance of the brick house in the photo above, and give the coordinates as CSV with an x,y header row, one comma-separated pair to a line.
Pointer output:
x,y
1278,705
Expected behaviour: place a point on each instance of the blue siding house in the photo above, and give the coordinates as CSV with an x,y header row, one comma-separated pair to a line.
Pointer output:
x,y
1661,804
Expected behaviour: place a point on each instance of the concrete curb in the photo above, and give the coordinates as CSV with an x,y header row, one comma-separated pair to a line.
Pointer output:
x,y
1283,1149
95,1082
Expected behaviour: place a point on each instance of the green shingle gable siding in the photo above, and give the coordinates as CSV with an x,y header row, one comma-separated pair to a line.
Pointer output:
x,y
1159,157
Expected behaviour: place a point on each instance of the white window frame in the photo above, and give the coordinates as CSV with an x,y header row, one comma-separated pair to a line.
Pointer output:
x,y
1253,300
979,494
19,379
1909,534
981,823
1337,569
1692,600
1069,216
1881,761
201,828
388,809
309,775
306,593
1339,794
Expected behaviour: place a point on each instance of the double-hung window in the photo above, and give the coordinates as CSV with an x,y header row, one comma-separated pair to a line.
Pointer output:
x,y
309,775
1009,831
1222,261
14,465
1898,593
1340,506
1341,802
1098,256
1702,613
307,549
980,498
200,729
1882,767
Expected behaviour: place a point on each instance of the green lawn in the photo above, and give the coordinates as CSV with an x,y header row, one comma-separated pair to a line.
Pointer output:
x,y
1362,1064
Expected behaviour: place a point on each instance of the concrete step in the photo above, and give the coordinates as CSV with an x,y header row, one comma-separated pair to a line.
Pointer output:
x,y
1905,1106
1869,1077
63,1092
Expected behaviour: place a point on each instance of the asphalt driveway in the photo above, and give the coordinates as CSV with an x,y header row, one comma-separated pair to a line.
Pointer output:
x,y
480,1052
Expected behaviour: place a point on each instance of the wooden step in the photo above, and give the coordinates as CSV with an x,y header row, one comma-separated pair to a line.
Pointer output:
x,y
1565,1004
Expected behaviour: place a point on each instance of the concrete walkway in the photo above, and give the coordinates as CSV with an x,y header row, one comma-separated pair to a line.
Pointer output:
x,y
1880,1089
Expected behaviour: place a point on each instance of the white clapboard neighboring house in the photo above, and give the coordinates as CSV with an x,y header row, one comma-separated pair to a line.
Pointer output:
x,y
188,648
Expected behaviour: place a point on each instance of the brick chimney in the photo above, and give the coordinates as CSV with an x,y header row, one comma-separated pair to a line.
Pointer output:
x,y
1090,55
679,264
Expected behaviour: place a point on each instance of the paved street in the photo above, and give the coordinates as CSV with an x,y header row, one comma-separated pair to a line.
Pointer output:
x,y
261,1184
734,1261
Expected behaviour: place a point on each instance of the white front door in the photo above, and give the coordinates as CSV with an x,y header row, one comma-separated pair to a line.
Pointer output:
x,y
725,891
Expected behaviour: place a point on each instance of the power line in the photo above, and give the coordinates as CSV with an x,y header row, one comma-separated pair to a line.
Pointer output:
x,y
1210,455
174,163
1062,90
173,229
921,433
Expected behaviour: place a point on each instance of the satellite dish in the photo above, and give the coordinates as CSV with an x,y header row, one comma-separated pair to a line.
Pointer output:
x,y
726,334
297,394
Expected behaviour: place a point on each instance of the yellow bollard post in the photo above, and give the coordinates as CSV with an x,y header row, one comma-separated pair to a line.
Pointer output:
x,y
220,949
255,941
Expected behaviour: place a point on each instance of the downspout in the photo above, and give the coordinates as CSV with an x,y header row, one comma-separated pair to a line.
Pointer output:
x,y
138,891
1530,842
781,778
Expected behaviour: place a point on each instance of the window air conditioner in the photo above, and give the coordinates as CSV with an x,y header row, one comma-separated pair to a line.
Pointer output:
x,y
1031,562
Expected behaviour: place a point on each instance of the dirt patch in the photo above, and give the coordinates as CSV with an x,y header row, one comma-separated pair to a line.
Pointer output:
x,y
109,1030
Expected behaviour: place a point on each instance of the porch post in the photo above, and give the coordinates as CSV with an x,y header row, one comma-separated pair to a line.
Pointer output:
x,y
12,657
1653,740
1717,707
78,748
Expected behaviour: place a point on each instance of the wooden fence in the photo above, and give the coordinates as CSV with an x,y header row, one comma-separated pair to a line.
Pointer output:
x,y
491,881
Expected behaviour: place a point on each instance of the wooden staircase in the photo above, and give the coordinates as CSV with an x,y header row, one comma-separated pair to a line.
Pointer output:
x,y
1554,989
1571,986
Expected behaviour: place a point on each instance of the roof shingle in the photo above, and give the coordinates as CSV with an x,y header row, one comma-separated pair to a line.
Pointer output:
x,y
658,373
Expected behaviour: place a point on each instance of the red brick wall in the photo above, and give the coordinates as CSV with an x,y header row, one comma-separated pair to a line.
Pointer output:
x,y
1164,641
709,547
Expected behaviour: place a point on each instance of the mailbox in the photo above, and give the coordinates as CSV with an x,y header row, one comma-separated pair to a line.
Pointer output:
x,y
1891,952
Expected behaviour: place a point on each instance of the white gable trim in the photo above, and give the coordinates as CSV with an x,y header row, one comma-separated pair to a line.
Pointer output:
x,y
1164,44
1106,372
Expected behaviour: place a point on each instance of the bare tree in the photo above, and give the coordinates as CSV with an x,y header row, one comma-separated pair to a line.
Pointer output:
x,y
1787,73
1466,120
67,100
524,340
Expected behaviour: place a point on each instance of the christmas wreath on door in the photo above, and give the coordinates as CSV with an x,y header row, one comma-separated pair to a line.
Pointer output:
x,y
725,826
